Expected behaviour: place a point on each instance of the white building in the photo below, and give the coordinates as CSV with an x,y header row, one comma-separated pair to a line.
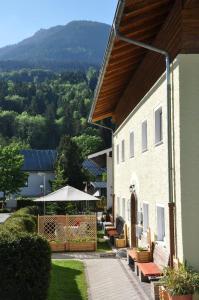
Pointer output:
x,y
156,151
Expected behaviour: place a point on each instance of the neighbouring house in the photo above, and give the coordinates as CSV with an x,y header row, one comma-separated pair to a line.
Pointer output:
x,y
97,186
104,159
153,99
40,164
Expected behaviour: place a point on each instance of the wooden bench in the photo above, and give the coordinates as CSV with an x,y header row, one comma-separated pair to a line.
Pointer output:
x,y
116,231
153,270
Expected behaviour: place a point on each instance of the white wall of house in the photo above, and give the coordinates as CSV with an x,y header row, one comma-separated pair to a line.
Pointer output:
x,y
34,181
109,167
189,155
146,166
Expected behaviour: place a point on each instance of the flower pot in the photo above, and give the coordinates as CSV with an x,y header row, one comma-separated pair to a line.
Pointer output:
x,y
181,297
142,256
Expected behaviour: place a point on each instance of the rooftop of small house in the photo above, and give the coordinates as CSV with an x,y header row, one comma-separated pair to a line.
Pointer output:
x,y
39,160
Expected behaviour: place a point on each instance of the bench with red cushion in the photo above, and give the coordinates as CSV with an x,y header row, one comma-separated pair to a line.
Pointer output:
x,y
149,269
154,269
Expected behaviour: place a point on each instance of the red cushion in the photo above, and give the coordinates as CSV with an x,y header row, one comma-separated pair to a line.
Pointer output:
x,y
149,269
112,232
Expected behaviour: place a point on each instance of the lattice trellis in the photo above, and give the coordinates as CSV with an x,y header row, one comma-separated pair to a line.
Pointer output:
x,y
52,227
80,228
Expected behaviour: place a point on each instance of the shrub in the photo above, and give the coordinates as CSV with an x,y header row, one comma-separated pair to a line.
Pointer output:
x,y
24,202
32,210
24,222
25,261
4,210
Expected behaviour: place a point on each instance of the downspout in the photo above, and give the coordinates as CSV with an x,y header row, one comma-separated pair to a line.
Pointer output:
x,y
169,130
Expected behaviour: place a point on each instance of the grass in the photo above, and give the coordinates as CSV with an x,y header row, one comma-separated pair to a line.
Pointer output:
x,y
102,244
68,281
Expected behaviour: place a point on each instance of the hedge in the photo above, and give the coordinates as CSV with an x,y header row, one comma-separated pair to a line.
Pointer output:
x,y
24,202
25,258
25,261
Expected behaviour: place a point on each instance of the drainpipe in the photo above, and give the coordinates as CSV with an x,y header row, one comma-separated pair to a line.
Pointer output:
x,y
169,130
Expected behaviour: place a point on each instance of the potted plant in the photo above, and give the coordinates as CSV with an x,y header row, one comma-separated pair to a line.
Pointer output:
x,y
181,283
142,255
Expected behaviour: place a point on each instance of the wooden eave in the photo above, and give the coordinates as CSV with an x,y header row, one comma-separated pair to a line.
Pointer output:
x,y
140,20
126,66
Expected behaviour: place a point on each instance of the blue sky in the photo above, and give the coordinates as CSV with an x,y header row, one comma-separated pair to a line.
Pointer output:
x,y
22,18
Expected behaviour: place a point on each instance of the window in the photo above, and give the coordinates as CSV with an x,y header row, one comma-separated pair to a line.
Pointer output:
x,y
123,151
160,223
132,144
145,216
118,153
158,126
128,210
144,136
123,208
118,206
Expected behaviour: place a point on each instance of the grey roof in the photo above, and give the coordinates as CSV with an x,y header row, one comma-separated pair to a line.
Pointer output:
x,y
99,184
93,168
39,160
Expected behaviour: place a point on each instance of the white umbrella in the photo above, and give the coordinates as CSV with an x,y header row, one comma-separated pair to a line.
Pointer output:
x,y
67,193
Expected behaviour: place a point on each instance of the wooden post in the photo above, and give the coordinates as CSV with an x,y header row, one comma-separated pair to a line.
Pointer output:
x,y
171,232
113,207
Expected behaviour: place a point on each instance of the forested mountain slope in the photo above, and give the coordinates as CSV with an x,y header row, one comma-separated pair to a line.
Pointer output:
x,y
77,43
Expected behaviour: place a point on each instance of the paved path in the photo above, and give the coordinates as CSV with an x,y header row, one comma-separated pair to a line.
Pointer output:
x,y
112,279
4,217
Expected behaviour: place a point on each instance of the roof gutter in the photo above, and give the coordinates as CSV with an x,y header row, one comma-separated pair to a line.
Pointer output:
x,y
169,124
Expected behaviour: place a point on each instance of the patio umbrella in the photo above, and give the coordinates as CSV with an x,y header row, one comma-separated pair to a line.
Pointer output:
x,y
67,193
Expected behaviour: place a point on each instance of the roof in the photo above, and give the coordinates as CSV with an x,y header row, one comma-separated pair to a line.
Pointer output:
x,y
99,184
154,22
67,193
100,158
39,160
93,168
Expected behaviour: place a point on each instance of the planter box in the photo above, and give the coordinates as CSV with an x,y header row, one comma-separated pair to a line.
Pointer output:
x,y
57,247
164,295
120,243
82,246
142,256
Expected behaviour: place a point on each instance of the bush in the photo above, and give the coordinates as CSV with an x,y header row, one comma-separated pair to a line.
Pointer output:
x,y
25,222
24,202
32,210
4,210
25,261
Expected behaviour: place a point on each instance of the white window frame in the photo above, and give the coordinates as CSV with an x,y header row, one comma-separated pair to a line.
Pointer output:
x,y
144,136
123,213
161,225
131,144
118,153
129,210
118,206
158,126
123,150
145,210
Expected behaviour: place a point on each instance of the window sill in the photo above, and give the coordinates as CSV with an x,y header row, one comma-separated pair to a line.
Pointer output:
x,y
144,150
158,143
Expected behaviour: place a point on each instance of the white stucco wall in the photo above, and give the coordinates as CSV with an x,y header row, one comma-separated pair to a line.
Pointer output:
x,y
34,181
189,160
146,170
109,166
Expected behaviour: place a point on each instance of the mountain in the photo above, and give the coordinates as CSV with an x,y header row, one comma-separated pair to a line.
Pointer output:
x,y
78,42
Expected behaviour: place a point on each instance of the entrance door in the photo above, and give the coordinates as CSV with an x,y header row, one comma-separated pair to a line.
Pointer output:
x,y
133,220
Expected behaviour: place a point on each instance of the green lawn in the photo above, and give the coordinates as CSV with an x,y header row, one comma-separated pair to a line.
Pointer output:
x,y
68,281
102,244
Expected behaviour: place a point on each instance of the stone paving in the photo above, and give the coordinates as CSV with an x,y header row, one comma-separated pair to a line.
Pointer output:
x,y
109,278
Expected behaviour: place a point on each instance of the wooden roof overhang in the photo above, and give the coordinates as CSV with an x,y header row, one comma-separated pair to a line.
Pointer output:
x,y
129,70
